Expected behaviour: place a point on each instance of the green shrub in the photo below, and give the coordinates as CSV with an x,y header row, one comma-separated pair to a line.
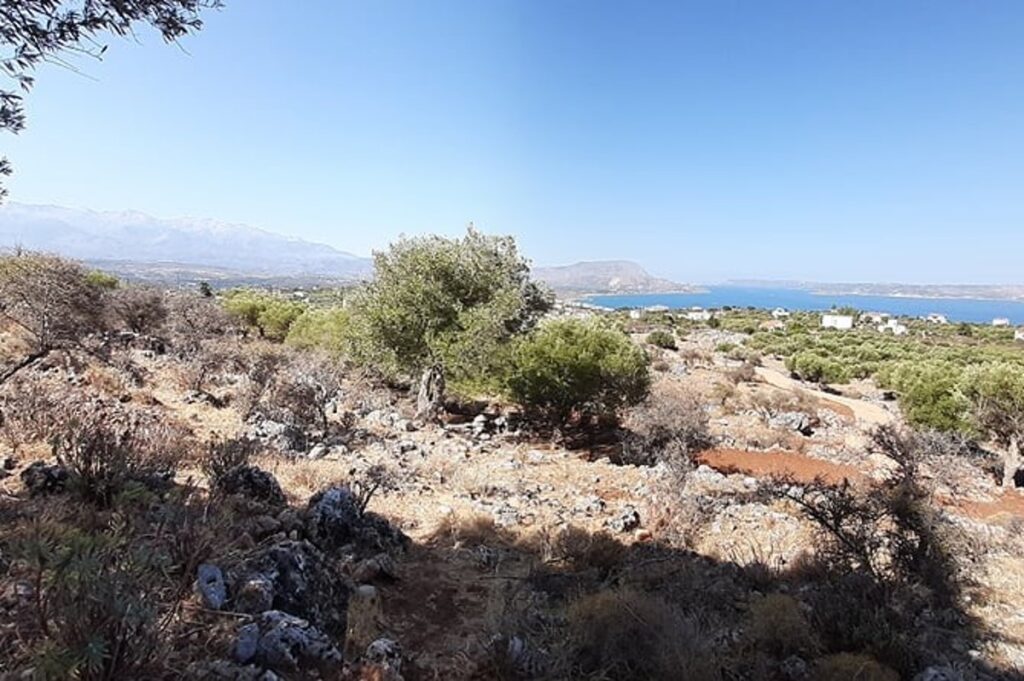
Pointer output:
x,y
815,368
328,329
102,280
928,393
572,365
270,315
662,339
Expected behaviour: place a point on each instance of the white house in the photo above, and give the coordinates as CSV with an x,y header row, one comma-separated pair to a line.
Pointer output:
x,y
936,318
1018,335
698,314
780,313
894,327
843,322
635,314
876,317
1000,321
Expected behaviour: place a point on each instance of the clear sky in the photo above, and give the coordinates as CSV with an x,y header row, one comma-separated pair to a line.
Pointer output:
x,y
826,140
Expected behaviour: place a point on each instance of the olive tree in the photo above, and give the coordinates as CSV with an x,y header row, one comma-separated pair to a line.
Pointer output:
x,y
995,396
448,306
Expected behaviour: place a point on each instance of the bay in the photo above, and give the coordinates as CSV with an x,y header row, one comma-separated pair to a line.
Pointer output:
x,y
956,309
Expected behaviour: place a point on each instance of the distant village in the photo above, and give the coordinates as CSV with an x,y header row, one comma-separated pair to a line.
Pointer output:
x,y
882,322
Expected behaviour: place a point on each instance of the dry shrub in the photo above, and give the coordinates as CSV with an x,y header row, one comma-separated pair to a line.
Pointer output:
x,y
776,623
853,667
694,357
201,369
578,549
886,561
627,634
302,392
262,364
223,456
140,309
727,396
105,446
192,318
470,530
744,373
30,410
771,403
670,426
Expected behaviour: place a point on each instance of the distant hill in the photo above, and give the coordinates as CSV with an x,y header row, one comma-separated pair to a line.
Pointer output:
x,y
136,242
605,276
937,291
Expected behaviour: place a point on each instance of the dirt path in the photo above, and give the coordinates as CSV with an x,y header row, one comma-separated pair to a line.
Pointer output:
x,y
863,411
778,463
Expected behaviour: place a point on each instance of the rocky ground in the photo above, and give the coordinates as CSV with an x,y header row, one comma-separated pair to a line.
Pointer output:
x,y
476,536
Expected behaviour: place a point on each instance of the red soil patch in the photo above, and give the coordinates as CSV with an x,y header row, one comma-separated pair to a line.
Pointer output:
x,y
1009,504
841,410
805,469
766,464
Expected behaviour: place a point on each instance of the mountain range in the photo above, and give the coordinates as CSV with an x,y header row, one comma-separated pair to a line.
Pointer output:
x,y
134,237
137,246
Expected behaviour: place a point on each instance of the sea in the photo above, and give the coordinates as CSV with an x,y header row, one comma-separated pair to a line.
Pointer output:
x,y
973,310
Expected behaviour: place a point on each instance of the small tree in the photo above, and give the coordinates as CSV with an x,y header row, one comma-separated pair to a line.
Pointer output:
x,y
571,365
995,395
270,315
139,308
191,319
50,299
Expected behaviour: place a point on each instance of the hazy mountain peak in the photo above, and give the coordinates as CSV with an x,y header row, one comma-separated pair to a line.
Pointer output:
x,y
136,237
604,276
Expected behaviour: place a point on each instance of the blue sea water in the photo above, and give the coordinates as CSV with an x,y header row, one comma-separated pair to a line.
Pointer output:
x,y
956,309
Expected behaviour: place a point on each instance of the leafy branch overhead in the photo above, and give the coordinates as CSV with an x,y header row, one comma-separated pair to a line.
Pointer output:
x,y
33,32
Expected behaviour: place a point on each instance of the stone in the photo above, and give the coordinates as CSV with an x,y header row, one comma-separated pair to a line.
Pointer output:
x,y
381,566
222,670
386,653
210,586
294,577
289,643
591,505
252,482
506,515
244,650
365,592
265,525
333,517
318,451
255,595
939,674
627,521
795,668
41,478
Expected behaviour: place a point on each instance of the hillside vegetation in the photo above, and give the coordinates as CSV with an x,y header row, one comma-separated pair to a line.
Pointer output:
x,y
445,473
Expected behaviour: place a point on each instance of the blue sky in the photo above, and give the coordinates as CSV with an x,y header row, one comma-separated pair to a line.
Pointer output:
x,y
833,141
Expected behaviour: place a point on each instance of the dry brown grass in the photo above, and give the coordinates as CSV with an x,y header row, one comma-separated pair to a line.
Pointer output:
x,y
853,667
776,623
